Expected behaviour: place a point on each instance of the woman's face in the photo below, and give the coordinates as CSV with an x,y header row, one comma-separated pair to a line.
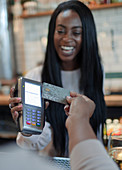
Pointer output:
x,y
68,37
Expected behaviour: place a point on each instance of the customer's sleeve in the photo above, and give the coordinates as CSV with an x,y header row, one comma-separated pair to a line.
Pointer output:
x,y
91,154
35,142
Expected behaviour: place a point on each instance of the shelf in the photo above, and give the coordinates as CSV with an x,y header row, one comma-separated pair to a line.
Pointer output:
x,y
105,6
92,7
8,82
113,100
24,16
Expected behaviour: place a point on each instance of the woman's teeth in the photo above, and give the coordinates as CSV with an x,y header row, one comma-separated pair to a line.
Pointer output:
x,y
67,48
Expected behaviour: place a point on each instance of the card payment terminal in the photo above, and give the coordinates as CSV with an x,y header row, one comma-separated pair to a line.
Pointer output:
x,y
31,119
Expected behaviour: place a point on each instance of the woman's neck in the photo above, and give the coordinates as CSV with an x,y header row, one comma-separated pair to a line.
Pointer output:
x,y
69,66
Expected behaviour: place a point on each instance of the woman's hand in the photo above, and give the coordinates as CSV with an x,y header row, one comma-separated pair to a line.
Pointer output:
x,y
17,107
15,103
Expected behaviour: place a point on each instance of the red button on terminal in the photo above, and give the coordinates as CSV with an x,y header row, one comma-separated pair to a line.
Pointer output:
x,y
28,122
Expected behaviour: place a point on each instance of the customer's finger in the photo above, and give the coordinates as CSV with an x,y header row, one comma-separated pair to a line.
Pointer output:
x,y
66,109
74,94
92,105
69,99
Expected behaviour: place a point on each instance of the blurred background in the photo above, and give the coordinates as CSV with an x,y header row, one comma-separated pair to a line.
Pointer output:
x,y
23,38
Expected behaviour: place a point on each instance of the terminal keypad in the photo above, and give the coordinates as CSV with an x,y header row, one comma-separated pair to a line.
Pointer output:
x,y
33,117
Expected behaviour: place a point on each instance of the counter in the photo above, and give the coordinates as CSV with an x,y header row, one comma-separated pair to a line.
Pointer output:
x,y
4,100
111,100
8,128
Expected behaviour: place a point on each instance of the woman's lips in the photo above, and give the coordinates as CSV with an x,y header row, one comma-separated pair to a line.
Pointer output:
x,y
68,50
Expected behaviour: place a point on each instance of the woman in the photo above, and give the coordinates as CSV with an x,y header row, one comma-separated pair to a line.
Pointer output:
x,y
72,61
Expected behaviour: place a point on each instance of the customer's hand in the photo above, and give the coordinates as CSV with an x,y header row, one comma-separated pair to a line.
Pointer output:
x,y
79,111
80,107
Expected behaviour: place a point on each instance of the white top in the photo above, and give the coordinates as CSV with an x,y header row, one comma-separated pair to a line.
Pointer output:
x,y
70,80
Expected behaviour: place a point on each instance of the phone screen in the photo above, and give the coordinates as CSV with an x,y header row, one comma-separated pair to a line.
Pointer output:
x,y
32,94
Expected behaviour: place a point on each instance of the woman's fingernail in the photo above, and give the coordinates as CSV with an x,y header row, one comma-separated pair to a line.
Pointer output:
x,y
20,105
15,115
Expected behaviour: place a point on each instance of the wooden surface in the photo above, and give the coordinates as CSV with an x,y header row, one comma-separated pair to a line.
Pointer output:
x,y
4,100
105,6
92,7
8,135
111,100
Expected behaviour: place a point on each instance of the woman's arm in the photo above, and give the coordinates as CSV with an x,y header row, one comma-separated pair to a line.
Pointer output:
x,y
35,142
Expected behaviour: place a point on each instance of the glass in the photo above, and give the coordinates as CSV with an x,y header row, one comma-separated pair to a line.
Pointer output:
x,y
115,147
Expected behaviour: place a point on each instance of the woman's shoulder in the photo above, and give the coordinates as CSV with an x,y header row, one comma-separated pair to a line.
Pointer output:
x,y
35,73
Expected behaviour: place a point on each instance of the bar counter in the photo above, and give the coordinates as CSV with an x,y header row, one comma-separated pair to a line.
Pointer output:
x,y
111,100
4,100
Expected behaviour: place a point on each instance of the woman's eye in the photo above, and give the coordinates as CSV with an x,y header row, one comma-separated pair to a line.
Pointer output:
x,y
77,33
60,31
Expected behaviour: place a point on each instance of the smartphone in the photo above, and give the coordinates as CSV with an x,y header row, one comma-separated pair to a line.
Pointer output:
x,y
31,119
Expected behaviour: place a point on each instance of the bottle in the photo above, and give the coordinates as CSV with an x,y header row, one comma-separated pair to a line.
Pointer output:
x,y
116,127
109,126
17,9
105,140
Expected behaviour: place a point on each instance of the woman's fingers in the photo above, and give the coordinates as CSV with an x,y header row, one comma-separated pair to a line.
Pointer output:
x,y
15,116
12,92
14,100
15,111
46,104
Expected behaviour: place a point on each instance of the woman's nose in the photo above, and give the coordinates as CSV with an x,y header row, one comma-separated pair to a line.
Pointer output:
x,y
67,36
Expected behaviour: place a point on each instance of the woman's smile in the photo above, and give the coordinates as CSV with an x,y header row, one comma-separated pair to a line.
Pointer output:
x,y
67,50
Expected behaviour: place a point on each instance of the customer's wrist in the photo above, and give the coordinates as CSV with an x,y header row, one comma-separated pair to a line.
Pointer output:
x,y
75,121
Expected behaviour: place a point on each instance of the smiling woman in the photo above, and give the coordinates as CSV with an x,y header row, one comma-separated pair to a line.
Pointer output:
x,y
72,61
67,39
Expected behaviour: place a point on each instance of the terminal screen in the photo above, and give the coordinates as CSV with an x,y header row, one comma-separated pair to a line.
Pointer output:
x,y
32,94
